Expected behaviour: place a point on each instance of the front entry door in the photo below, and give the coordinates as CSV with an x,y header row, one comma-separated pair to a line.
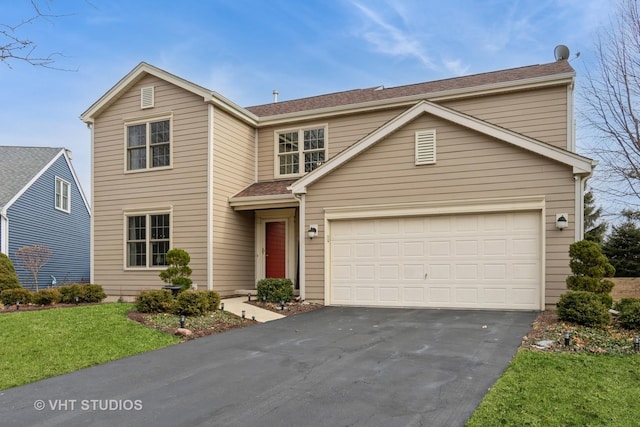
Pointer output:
x,y
275,249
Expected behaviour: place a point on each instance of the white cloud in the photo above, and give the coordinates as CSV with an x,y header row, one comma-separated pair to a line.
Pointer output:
x,y
391,40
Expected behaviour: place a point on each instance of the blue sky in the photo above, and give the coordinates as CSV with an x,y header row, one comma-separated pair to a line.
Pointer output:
x,y
244,49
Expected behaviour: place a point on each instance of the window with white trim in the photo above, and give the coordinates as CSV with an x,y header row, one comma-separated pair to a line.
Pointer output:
x,y
148,145
63,195
300,151
148,240
426,147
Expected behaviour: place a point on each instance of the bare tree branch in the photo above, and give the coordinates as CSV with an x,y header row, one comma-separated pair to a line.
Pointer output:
x,y
14,47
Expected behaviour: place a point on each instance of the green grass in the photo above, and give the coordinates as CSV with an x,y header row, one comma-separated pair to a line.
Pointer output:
x,y
563,389
46,343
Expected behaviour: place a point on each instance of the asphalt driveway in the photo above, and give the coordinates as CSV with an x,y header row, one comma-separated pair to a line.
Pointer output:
x,y
330,367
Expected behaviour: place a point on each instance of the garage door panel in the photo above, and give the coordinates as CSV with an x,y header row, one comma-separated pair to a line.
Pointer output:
x,y
473,261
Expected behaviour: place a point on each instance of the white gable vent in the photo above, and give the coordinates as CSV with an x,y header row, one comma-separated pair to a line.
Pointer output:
x,y
426,147
146,97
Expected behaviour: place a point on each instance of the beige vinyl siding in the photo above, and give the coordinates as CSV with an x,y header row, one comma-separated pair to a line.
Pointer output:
x,y
540,113
469,166
342,132
233,232
183,187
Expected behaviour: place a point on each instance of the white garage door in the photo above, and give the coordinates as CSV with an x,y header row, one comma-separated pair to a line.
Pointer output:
x,y
461,261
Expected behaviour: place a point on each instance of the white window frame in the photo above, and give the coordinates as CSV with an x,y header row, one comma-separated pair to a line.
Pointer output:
x,y
148,241
301,151
61,185
147,121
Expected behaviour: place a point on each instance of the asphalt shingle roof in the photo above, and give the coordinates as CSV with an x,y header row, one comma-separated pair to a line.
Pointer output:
x,y
358,96
18,165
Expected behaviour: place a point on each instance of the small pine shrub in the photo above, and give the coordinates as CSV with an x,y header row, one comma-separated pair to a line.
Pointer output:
x,y
46,297
214,300
606,299
85,293
154,301
178,271
589,267
624,302
8,276
584,308
11,296
629,316
92,293
68,294
192,303
275,290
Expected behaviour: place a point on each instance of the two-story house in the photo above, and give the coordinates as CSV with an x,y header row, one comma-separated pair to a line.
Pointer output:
x,y
42,203
465,192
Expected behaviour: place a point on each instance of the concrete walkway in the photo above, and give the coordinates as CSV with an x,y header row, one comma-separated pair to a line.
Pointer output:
x,y
237,305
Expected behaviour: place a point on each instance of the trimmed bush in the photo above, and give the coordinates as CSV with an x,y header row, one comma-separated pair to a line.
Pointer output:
x,y
8,276
275,290
624,302
68,293
154,301
192,303
584,308
589,267
629,316
178,272
46,297
87,293
214,300
606,299
92,293
11,296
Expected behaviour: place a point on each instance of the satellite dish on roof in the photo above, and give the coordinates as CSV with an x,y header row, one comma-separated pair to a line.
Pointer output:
x,y
561,52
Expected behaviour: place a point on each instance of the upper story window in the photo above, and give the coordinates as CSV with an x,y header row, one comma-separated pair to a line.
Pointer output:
x,y
63,195
300,151
147,240
149,145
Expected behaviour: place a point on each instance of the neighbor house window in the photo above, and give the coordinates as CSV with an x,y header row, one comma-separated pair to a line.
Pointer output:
x,y
149,145
147,240
63,195
300,151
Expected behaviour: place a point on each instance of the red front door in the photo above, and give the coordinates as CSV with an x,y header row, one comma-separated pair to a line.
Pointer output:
x,y
275,249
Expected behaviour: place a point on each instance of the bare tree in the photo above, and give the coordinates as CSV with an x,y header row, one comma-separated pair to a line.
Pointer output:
x,y
34,258
610,96
14,47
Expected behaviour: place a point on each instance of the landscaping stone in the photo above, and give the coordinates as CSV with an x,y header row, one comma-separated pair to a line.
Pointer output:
x,y
184,332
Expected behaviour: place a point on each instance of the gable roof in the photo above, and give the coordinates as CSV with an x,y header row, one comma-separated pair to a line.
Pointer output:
x,y
580,164
532,74
143,69
22,166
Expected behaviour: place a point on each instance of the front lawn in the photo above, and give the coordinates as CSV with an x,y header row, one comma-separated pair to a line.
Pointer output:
x,y
46,343
563,389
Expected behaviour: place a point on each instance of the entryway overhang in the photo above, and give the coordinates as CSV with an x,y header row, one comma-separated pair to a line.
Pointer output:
x,y
265,195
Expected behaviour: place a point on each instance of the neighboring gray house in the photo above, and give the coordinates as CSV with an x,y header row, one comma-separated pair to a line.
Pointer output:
x,y
42,203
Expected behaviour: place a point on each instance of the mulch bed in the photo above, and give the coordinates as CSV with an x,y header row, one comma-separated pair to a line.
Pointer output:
x,y
290,308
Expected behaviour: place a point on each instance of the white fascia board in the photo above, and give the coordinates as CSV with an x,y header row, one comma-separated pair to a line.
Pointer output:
x,y
579,163
77,182
263,202
142,69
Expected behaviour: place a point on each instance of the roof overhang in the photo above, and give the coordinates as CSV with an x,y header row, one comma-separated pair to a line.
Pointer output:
x,y
143,69
581,165
446,95
263,202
